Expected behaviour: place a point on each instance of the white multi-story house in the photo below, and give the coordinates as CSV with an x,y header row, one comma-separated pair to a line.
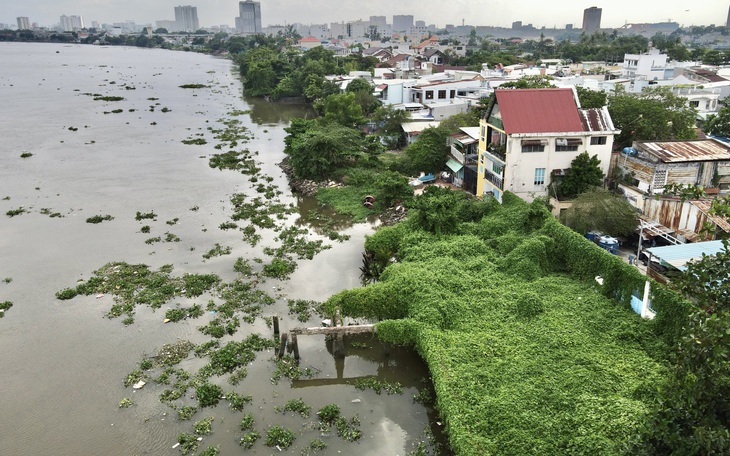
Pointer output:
x,y
651,66
527,135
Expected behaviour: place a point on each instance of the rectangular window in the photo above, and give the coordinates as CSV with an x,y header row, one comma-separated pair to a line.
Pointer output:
x,y
533,148
539,176
694,104
567,145
484,133
452,94
598,140
442,94
429,95
497,169
533,145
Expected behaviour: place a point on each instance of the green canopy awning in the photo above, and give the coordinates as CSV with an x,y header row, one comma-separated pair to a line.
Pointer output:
x,y
454,165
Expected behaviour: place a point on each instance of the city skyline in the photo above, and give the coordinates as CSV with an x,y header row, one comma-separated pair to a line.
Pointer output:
x,y
499,13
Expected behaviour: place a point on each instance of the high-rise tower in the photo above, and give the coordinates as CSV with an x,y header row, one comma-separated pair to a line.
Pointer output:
x,y
249,20
591,19
186,18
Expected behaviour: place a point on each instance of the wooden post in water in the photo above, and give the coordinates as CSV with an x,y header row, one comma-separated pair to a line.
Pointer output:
x,y
275,319
282,345
295,346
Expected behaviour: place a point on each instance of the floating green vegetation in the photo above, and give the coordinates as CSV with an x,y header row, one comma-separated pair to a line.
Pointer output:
x,y
73,129
234,160
194,209
6,198
171,354
278,436
238,401
193,86
26,155
169,237
186,412
49,212
228,226
303,308
188,443
279,268
250,235
195,141
136,284
14,212
108,98
378,385
298,406
152,99
208,394
173,221
145,215
288,367
249,439
126,403
293,241
217,250
133,377
7,279
181,313
348,429
4,306
329,413
204,426
314,446
239,112
99,218
210,451
247,422
259,211
153,240
145,229
117,111
165,109
243,267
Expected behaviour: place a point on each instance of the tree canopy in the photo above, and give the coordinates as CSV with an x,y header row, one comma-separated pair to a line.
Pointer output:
x,y
655,114
583,175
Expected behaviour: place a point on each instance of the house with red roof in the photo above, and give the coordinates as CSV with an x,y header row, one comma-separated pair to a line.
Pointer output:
x,y
529,136
309,42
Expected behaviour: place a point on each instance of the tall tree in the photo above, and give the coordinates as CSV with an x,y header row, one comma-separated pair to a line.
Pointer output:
x,y
583,175
656,114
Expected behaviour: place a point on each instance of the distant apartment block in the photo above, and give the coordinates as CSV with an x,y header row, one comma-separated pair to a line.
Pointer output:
x,y
186,18
401,23
379,21
249,20
23,23
591,19
71,23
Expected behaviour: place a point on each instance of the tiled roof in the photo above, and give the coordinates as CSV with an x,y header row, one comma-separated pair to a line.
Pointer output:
x,y
538,110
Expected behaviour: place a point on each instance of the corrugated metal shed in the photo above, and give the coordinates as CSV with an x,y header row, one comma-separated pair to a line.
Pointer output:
x,y
679,255
686,151
538,110
704,206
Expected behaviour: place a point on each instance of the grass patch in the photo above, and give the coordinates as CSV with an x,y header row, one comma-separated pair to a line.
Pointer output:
x,y
347,200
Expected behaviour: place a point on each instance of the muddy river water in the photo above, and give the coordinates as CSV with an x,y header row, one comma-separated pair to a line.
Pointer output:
x,y
62,363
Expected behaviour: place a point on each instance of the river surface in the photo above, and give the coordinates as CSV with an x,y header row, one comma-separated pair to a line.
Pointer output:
x,y
63,362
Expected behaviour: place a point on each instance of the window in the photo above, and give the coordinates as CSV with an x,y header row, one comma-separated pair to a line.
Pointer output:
x,y
442,94
567,145
539,176
497,169
452,94
533,145
533,148
598,140
429,95
694,104
484,133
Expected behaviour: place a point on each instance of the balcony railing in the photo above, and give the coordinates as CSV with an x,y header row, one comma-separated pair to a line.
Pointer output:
x,y
494,179
498,153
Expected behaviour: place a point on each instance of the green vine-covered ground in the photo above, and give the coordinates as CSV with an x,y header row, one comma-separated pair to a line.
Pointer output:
x,y
527,352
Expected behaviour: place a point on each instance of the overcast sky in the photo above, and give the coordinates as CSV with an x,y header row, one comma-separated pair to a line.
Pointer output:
x,y
472,12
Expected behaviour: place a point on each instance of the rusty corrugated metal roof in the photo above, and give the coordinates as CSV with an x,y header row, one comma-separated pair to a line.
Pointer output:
x,y
596,119
686,151
538,110
705,205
